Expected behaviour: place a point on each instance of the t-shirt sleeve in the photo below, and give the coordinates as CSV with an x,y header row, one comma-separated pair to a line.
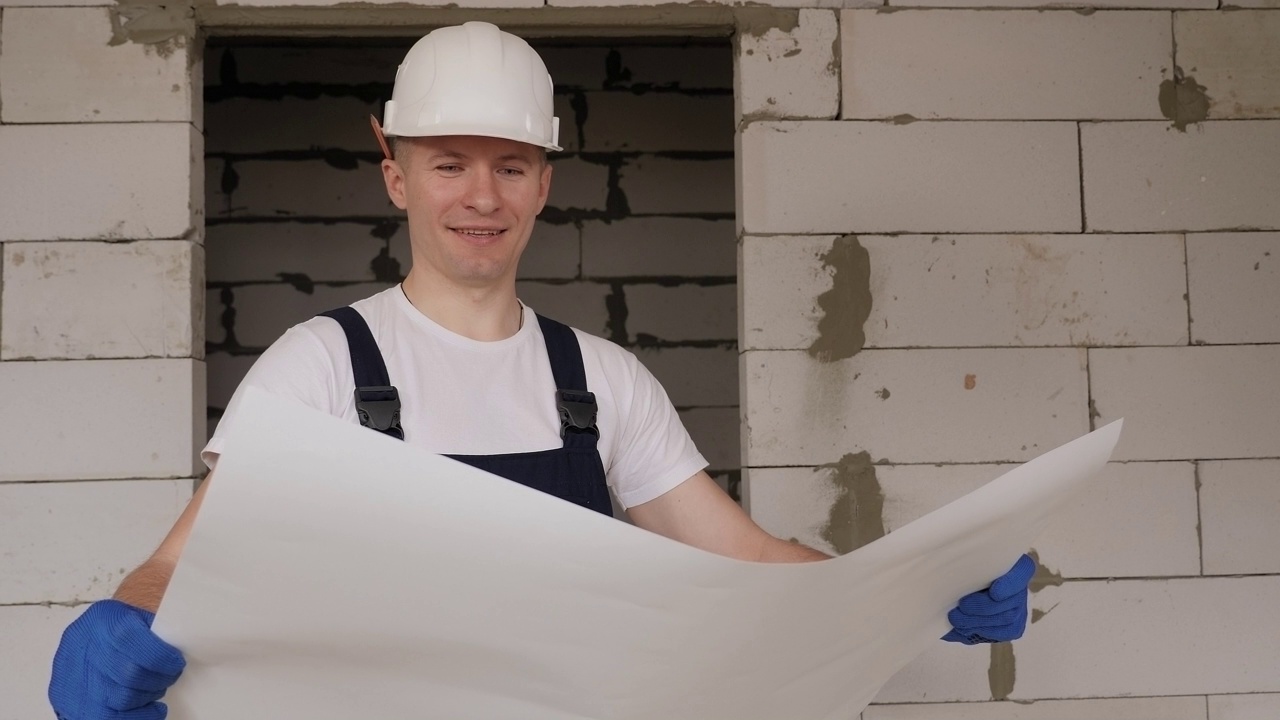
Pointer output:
x,y
296,366
654,451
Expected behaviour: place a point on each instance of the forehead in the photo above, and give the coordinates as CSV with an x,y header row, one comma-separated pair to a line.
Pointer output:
x,y
473,147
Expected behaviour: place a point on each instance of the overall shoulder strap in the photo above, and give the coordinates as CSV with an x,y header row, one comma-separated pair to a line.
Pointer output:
x,y
377,402
577,406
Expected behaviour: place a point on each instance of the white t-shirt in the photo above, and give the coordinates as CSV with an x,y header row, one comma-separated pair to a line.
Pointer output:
x,y
468,397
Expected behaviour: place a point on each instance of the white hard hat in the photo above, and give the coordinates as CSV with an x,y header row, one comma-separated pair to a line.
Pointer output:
x,y
473,79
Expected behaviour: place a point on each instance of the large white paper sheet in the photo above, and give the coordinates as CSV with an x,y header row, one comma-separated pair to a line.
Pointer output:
x,y
334,573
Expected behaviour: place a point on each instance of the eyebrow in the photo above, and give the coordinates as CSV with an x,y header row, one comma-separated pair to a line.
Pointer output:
x,y
453,155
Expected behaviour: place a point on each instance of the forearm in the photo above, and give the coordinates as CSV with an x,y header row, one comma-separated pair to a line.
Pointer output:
x,y
782,551
145,586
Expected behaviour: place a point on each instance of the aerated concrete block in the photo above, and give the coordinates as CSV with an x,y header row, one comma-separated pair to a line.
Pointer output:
x,y
75,541
71,65
131,419
1009,65
873,177
79,300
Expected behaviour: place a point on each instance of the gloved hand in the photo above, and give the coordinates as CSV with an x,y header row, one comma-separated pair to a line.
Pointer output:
x,y
110,665
997,614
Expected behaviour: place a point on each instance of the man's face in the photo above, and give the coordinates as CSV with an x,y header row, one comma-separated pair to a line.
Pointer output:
x,y
471,203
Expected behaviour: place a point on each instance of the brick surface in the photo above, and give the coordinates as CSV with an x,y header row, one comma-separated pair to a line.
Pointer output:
x,y
1135,520
580,305
1208,403
225,373
574,67
298,188
1050,65
1021,403
305,64
1244,707
716,433
694,376
658,246
132,419
1239,504
76,300
658,122
1056,5
131,181
975,291
554,251
693,66
59,66
921,177
1149,177
791,74
1170,708
1234,287
259,252
264,312
661,185
682,312
1107,639
562,106
31,634
375,3
1236,56
52,3
259,125
640,3
578,185
68,542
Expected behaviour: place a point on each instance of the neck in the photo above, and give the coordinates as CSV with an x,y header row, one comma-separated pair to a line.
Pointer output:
x,y
484,314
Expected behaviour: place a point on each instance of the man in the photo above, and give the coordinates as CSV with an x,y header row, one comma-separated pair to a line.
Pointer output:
x,y
453,362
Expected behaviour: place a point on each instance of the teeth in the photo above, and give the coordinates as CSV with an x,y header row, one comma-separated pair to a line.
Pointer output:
x,y
482,233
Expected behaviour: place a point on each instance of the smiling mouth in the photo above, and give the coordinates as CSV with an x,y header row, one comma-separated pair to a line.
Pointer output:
x,y
478,233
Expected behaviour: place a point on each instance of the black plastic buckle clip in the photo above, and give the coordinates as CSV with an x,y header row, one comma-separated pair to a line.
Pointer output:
x,y
577,412
379,409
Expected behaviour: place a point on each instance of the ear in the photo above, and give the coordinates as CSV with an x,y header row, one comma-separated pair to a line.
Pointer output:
x,y
394,177
544,187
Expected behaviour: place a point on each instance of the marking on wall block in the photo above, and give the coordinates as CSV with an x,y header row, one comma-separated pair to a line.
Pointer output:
x,y
1003,671
1037,614
847,305
883,393
970,381
615,304
300,282
165,28
757,22
1183,100
856,517
1044,577
384,267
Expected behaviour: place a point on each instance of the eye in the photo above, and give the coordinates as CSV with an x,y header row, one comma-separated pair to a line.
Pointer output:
x,y
449,168
511,172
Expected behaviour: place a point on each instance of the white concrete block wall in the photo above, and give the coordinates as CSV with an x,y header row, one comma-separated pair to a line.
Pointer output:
x,y
1073,163
101,325
1026,223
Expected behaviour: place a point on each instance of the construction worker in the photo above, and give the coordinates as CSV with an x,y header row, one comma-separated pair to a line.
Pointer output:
x,y
451,361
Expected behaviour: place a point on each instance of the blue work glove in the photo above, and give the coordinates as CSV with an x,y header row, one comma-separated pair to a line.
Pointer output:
x,y
997,614
110,665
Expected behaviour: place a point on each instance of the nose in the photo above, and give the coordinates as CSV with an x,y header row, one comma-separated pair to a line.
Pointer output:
x,y
482,192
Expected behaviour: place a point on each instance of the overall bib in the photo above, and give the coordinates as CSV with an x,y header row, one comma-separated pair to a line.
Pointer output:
x,y
572,472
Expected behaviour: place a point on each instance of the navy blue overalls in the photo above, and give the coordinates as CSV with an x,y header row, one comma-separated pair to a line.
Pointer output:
x,y
572,472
